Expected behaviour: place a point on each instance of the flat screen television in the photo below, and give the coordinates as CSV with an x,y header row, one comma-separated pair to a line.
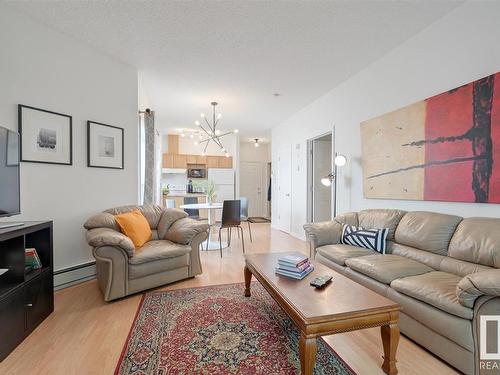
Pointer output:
x,y
10,200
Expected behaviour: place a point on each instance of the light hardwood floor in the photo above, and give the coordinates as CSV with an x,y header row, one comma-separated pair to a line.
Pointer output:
x,y
85,335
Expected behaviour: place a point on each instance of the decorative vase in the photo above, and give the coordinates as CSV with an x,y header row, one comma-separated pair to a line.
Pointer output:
x,y
209,199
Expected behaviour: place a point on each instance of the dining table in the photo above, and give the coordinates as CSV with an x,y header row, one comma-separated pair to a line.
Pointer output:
x,y
210,207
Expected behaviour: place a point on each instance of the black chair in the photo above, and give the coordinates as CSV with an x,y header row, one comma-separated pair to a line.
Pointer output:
x,y
244,214
231,218
192,213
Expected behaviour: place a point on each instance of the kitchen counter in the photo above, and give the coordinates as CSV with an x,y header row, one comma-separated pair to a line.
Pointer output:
x,y
174,194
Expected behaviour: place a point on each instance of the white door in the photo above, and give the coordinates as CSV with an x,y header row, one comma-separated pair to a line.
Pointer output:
x,y
284,189
251,181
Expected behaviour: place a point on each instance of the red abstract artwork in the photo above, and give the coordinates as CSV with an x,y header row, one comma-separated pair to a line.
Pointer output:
x,y
451,154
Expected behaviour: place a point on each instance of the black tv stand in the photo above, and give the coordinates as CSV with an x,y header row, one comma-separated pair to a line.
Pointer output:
x,y
26,299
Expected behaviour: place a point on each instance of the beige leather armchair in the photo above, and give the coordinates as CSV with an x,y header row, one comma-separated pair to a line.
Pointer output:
x,y
171,255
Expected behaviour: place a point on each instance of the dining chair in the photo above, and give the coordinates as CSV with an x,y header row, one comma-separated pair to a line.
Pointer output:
x,y
231,218
244,214
193,213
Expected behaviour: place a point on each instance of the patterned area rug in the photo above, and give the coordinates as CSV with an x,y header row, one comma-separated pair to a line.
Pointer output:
x,y
216,330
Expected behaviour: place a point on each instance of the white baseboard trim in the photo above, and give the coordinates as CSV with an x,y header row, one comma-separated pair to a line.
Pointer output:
x,y
69,276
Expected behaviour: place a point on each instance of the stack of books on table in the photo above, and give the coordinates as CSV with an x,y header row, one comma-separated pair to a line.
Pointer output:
x,y
294,266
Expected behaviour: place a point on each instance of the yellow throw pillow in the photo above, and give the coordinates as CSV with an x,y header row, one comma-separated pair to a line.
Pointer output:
x,y
135,226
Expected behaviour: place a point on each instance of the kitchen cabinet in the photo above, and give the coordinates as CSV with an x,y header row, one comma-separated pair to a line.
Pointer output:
x,y
168,161
201,159
191,159
173,144
180,161
212,162
225,162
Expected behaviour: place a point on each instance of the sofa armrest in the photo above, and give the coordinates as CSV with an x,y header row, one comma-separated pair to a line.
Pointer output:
x,y
111,271
475,285
323,233
98,237
184,230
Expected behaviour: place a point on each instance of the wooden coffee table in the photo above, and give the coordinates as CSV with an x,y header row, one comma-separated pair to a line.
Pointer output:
x,y
342,306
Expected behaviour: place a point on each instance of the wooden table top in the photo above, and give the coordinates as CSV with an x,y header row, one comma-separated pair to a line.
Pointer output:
x,y
342,298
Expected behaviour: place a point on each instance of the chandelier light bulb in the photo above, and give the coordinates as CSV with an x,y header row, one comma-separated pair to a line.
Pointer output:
x,y
219,115
256,144
217,132
235,131
203,153
197,123
196,143
183,135
202,115
227,155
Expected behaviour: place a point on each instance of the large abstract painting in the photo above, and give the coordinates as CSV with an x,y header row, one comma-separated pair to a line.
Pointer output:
x,y
445,148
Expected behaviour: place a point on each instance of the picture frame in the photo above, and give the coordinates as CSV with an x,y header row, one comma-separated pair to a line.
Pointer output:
x,y
45,136
105,146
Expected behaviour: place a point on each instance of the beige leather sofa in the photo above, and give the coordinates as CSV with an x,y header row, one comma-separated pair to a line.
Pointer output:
x,y
441,269
171,255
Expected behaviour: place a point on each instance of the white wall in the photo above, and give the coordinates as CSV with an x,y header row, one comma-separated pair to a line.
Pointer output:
x,y
45,69
457,49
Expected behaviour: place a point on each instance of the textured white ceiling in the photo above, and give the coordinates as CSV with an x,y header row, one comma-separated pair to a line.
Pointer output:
x,y
239,52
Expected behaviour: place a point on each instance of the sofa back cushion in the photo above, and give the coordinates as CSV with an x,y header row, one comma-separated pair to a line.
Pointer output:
x,y
151,212
427,231
477,240
349,218
380,219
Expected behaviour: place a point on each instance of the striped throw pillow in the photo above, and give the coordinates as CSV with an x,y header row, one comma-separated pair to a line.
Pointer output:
x,y
373,239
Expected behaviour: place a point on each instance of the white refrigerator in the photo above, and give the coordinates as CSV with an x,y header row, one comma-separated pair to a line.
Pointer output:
x,y
223,179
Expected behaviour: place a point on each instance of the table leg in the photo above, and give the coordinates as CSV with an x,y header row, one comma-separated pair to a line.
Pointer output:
x,y
390,340
248,279
307,349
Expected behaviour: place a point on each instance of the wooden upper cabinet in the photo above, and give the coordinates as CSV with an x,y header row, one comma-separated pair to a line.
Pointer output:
x,y
212,162
168,161
180,161
191,159
173,144
225,162
201,159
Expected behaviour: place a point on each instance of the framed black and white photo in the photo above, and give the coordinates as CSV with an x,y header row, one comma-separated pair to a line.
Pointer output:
x,y
46,136
104,146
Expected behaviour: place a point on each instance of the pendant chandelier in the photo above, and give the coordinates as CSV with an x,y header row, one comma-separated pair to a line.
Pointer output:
x,y
210,133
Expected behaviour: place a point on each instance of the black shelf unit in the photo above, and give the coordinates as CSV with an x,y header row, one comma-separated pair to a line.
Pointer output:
x,y
25,299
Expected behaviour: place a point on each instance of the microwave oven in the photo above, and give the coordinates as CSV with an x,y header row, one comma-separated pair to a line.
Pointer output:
x,y
196,173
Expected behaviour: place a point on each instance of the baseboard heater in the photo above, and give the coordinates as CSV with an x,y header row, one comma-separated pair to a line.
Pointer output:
x,y
73,275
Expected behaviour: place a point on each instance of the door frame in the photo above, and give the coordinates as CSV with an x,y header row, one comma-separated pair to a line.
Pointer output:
x,y
310,174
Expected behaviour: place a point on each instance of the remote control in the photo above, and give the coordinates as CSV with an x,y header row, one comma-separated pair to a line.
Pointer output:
x,y
320,282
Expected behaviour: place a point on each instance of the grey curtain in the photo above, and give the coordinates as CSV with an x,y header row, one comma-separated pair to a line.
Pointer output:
x,y
152,167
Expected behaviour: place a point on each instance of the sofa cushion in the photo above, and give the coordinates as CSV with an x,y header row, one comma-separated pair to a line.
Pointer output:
x,y
428,231
154,250
477,240
436,288
388,267
168,217
339,253
374,239
159,266
379,218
